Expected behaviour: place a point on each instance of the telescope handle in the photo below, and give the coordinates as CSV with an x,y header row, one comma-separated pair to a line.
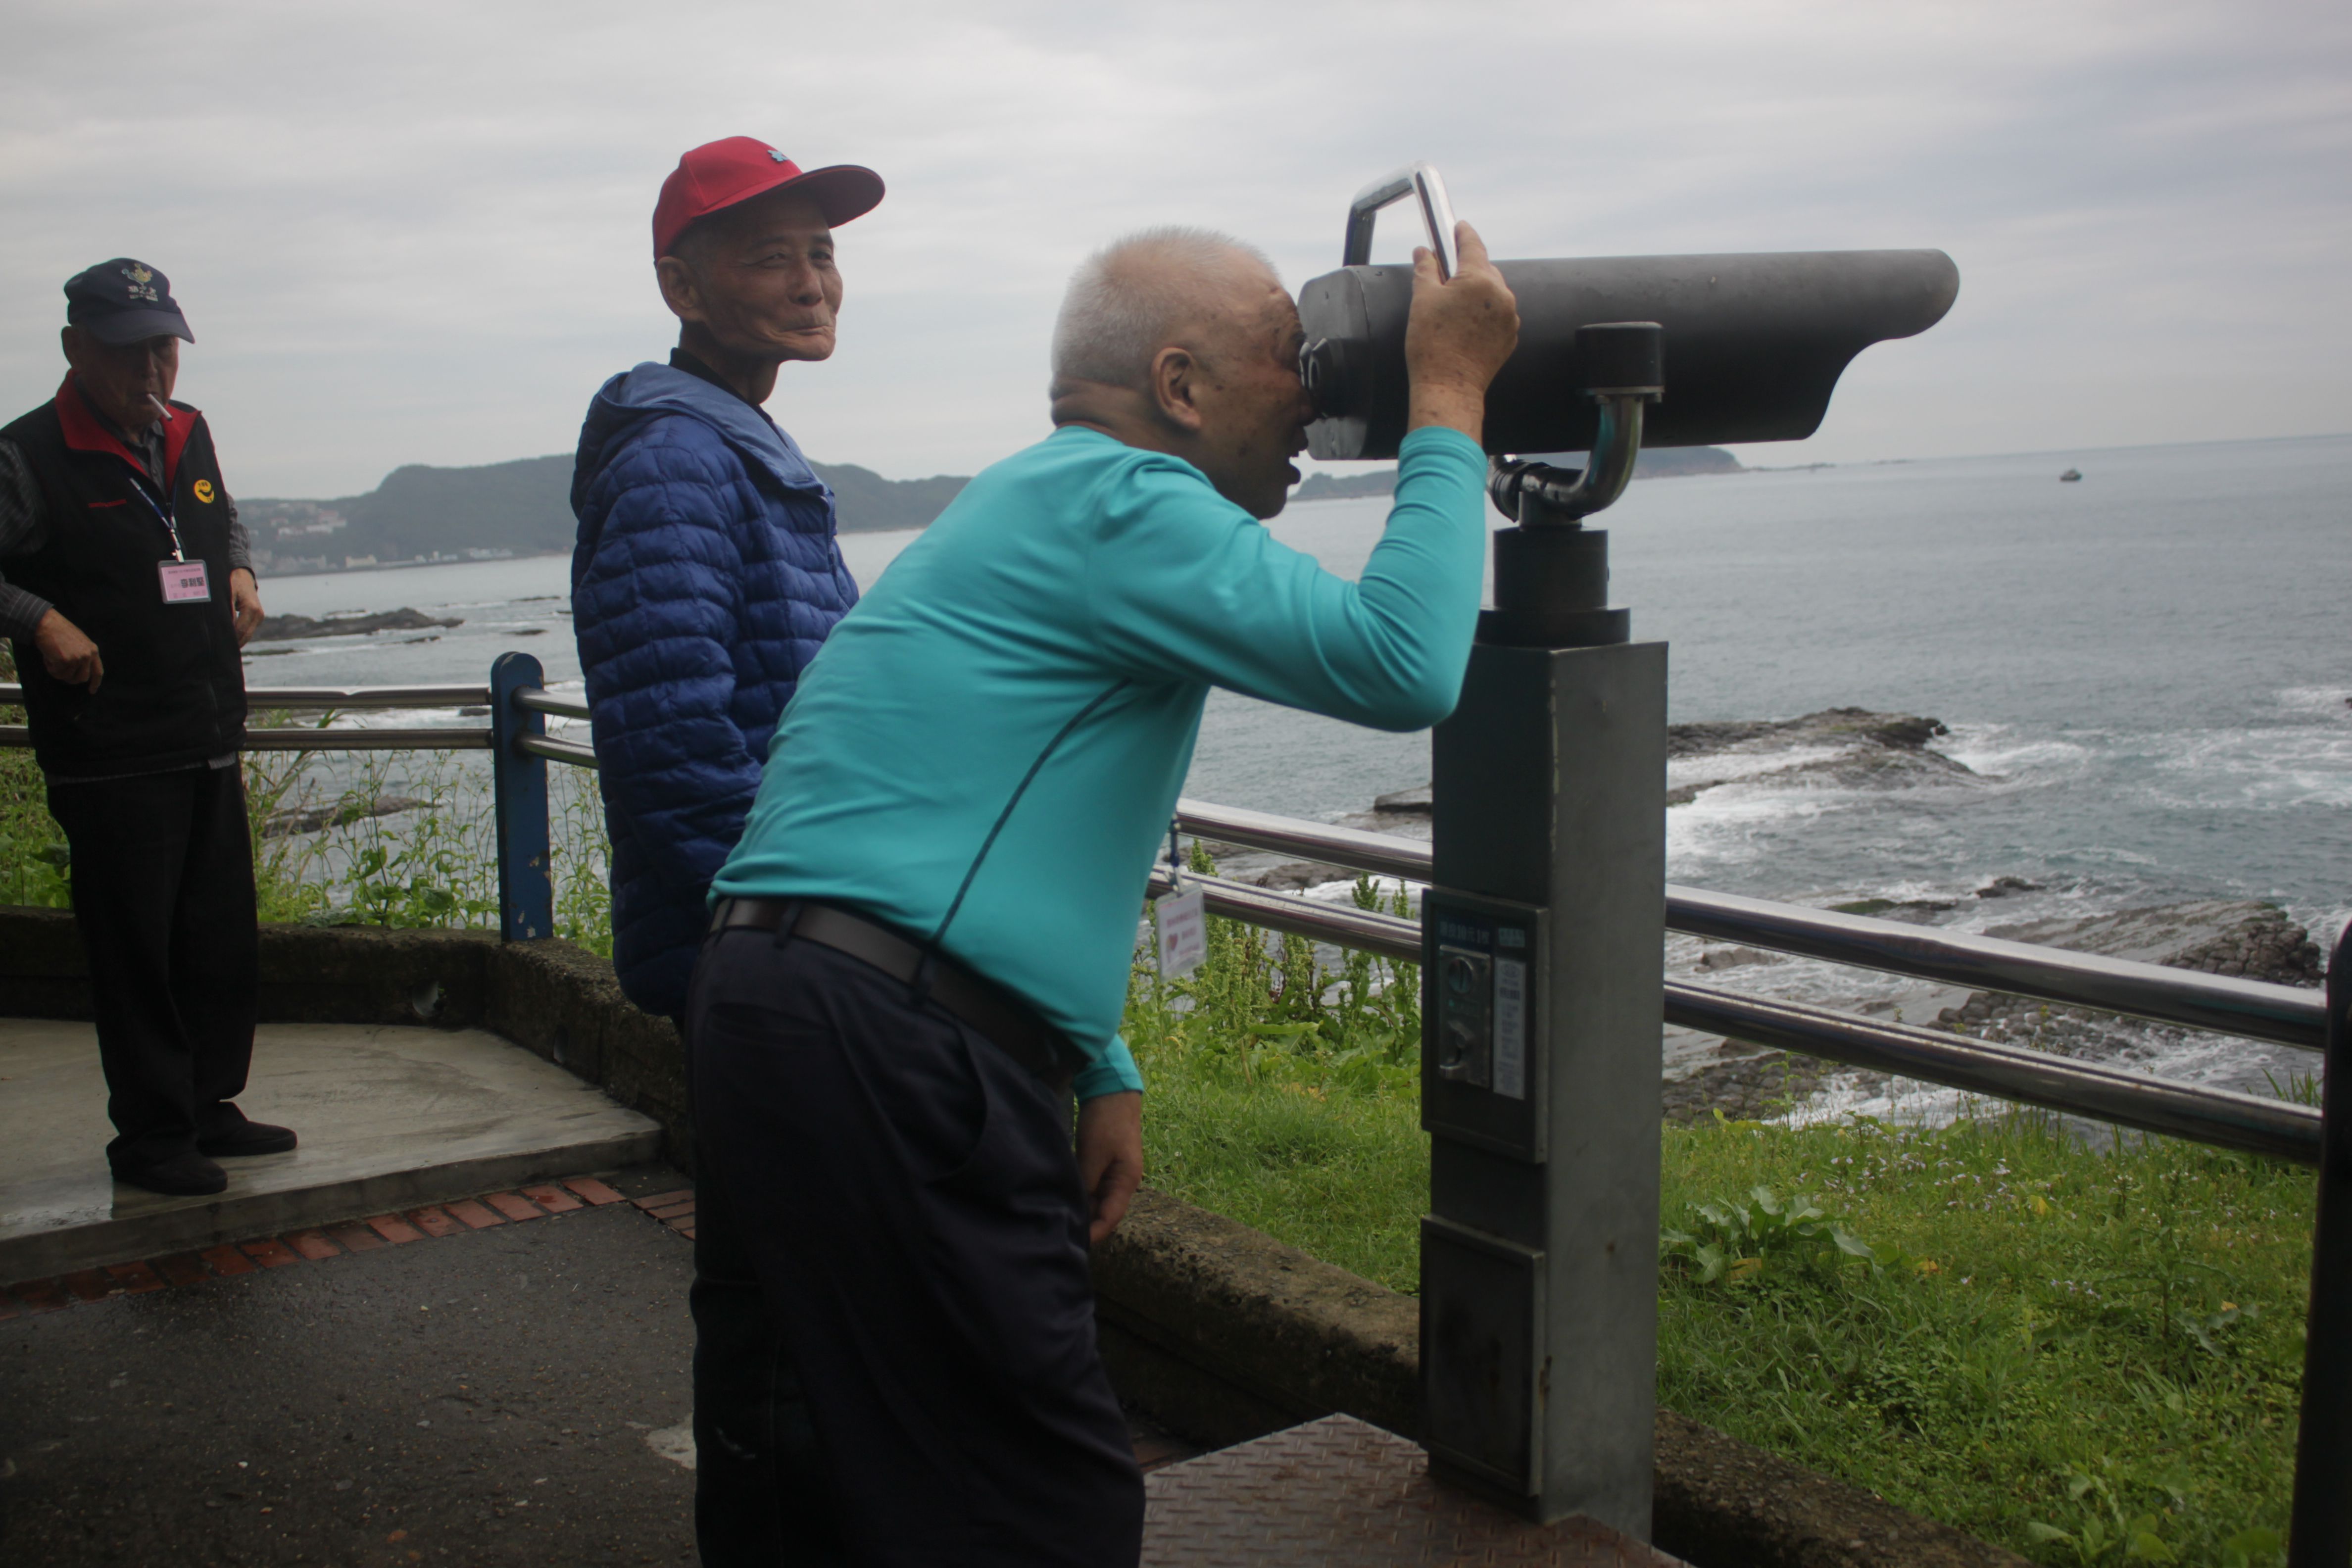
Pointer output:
x,y
1425,184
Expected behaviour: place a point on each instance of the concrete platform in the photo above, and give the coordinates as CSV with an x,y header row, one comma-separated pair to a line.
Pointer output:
x,y
390,1118
1341,1493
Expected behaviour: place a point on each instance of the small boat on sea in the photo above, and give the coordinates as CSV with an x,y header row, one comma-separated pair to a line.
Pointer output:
x,y
2070,476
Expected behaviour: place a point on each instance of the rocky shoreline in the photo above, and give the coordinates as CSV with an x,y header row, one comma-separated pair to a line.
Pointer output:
x,y
1857,748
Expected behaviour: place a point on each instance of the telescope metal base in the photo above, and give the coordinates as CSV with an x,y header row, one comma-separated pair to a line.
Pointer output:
x,y
1341,1493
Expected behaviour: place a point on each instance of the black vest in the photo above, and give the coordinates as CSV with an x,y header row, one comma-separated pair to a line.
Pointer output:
x,y
173,690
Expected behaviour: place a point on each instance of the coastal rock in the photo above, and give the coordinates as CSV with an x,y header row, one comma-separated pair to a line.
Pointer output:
x,y
1849,748
286,628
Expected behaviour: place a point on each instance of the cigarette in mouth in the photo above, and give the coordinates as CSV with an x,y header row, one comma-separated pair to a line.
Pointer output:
x,y
162,407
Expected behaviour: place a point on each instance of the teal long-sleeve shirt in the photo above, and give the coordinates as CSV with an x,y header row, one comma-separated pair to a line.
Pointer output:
x,y
987,749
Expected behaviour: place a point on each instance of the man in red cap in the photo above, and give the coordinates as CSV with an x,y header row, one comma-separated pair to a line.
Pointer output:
x,y
705,579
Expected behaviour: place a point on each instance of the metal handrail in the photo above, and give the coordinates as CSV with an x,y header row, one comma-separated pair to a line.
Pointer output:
x,y
2282,1014
571,752
2221,1117
273,697
541,702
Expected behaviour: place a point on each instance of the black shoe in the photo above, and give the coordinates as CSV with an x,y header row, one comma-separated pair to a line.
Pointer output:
x,y
247,1138
181,1176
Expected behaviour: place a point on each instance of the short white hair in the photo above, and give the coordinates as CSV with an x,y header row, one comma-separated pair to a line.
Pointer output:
x,y
1127,297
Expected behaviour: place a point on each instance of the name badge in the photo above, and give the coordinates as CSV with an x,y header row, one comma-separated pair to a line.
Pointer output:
x,y
185,583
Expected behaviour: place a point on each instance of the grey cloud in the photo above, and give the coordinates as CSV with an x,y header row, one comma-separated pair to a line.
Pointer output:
x,y
420,236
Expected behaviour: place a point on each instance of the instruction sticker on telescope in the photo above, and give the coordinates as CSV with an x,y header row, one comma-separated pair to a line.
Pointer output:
x,y
1510,1028
1183,933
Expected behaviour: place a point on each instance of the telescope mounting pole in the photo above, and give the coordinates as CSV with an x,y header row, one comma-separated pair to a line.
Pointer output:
x,y
1543,978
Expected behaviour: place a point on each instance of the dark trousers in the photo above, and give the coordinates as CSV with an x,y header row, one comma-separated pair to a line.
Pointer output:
x,y
924,1387
162,896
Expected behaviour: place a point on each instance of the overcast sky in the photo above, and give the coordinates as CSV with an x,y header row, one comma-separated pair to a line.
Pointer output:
x,y
419,233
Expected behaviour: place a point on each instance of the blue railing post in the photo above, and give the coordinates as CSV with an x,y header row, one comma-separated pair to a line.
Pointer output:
x,y
2320,1535
526,890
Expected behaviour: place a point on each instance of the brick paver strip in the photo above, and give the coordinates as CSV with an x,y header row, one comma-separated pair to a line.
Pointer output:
x,y
269,1252
355,1237
594,1190
514,1205
227,1260
663,1200
552,1198
433,1222
89,1284
313,1245
183,1268
474,1214
394,1228
135,1279
687,1231
674,1212
38,1295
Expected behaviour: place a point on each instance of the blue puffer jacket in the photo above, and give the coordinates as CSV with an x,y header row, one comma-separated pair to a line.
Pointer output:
x,y
705,579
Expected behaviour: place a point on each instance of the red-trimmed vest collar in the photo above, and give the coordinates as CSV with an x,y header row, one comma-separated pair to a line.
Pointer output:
x,y
86,432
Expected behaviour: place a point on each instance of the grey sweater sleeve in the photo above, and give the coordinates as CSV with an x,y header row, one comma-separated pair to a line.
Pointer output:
x,y
240,538
24,527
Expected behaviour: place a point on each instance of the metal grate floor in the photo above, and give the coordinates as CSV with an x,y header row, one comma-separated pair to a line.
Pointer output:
x,y
1338,1493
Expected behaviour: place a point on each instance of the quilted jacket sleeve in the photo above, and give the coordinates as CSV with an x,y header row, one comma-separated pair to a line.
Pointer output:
x,y
656,609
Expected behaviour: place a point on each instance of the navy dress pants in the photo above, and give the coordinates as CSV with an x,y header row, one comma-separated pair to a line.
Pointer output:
x,y
905,1196
163,898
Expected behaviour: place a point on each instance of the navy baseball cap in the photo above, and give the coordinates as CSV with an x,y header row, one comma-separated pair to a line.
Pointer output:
x,y
124,301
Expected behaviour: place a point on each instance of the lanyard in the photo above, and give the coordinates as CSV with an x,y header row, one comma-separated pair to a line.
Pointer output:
x,y
164,515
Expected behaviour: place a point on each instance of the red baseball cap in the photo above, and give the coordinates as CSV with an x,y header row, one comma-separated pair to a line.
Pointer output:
x,y
719,174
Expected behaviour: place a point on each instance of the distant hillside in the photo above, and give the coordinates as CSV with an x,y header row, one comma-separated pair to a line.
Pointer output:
x,y
1658,463
520,508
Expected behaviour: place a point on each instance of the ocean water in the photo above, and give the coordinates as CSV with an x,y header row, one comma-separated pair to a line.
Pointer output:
x,y
2149,673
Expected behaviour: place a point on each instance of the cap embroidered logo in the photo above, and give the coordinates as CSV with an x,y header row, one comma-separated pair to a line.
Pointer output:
x,y
779,157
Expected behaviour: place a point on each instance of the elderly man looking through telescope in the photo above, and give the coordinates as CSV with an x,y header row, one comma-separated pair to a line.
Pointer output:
x,y
924,932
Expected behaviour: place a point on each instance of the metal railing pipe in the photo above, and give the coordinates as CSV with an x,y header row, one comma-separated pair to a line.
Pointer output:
x,y
578,756
2283,1015
1391,936
2201,1113
541,702
266,697
2255,1009
290,738
1382,854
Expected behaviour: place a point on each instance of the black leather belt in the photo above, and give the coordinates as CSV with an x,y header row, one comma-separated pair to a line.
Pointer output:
x,y
1010,1024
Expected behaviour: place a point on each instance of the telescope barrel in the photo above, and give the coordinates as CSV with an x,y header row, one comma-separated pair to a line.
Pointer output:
x,y
1754,344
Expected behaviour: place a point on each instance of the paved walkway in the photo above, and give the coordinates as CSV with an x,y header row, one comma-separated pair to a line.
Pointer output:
x,y
389,1118
494,1382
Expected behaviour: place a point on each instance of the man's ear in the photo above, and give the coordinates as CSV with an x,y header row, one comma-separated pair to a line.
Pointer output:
x,y
1175,381
681,290
69,342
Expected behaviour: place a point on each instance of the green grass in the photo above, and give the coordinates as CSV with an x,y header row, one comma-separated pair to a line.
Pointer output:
x,y
2085,1356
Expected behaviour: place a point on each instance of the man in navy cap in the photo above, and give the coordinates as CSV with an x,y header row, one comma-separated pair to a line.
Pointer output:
x,y
705,579
127,589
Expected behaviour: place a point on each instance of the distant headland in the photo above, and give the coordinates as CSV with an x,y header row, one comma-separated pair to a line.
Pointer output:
x,y
422,515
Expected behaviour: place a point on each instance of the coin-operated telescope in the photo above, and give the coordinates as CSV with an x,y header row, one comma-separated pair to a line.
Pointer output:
x,y
1615,353
1542,929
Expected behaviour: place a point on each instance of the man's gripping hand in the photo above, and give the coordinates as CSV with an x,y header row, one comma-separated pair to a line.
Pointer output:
x,y
1110,1157
67,654
1458,336
244,604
